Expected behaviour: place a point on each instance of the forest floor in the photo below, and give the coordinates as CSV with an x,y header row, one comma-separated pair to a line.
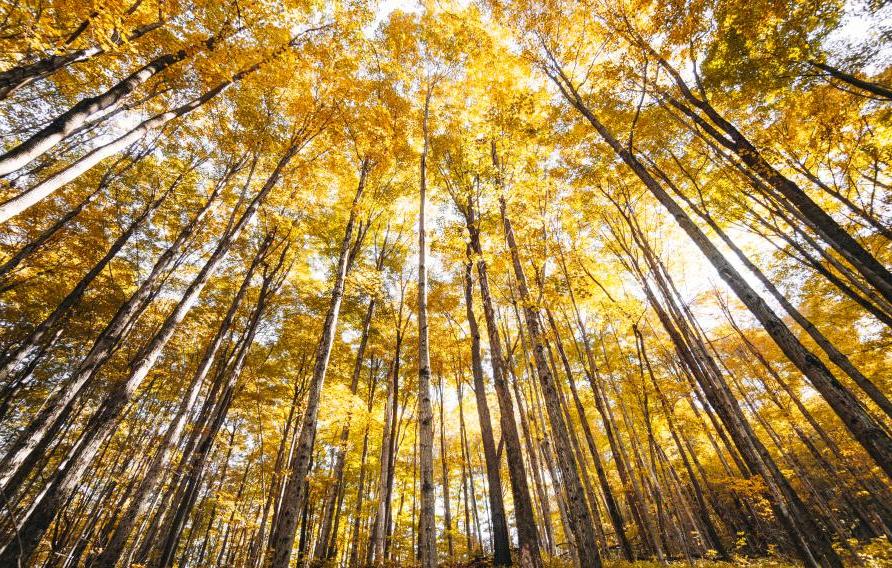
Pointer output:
x,y
875,554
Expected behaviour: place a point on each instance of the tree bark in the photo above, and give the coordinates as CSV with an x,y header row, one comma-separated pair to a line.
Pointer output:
x,y
353,561
499,526
294,495
13,79
36,193
72,469
579,518
612,508
427,531
523,507
33,246
702,509
869,433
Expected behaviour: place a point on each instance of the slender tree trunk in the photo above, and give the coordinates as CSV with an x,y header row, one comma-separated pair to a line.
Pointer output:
x,y
39,191
444,466
427,531
790,509
276,480
45,329
612,508
869,433
579,518
591,368
703,510
379,545
296,486
465,469
800,524
880,91
25,451
13,79
45,508
863,261
592,498
139,501
466,457
376,544
539,427
230,373
877,490
82,112
34,194
838,358
353,561
326,545
33,246
501,539
523,507
532,453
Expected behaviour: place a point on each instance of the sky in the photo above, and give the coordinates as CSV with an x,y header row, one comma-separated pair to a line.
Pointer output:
x,y
386,7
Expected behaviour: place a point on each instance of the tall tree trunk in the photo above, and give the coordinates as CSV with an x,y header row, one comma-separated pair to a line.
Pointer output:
x,y
465,469
790,509
23,454
541,433
702,509
734,140
353,561
139,500
255,553
444,466
376,539
477,541
805,533
612,509
838,358
13,79
84,111
579,518
33,246
326,545
39,191
230,373
871,87
878,491
869,433
79,456
39,334
523,507
592,498
427,531
293,498
501,539
532,453
34,194
378,547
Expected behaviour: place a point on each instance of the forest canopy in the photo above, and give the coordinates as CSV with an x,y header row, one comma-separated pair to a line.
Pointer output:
x,y
346,283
